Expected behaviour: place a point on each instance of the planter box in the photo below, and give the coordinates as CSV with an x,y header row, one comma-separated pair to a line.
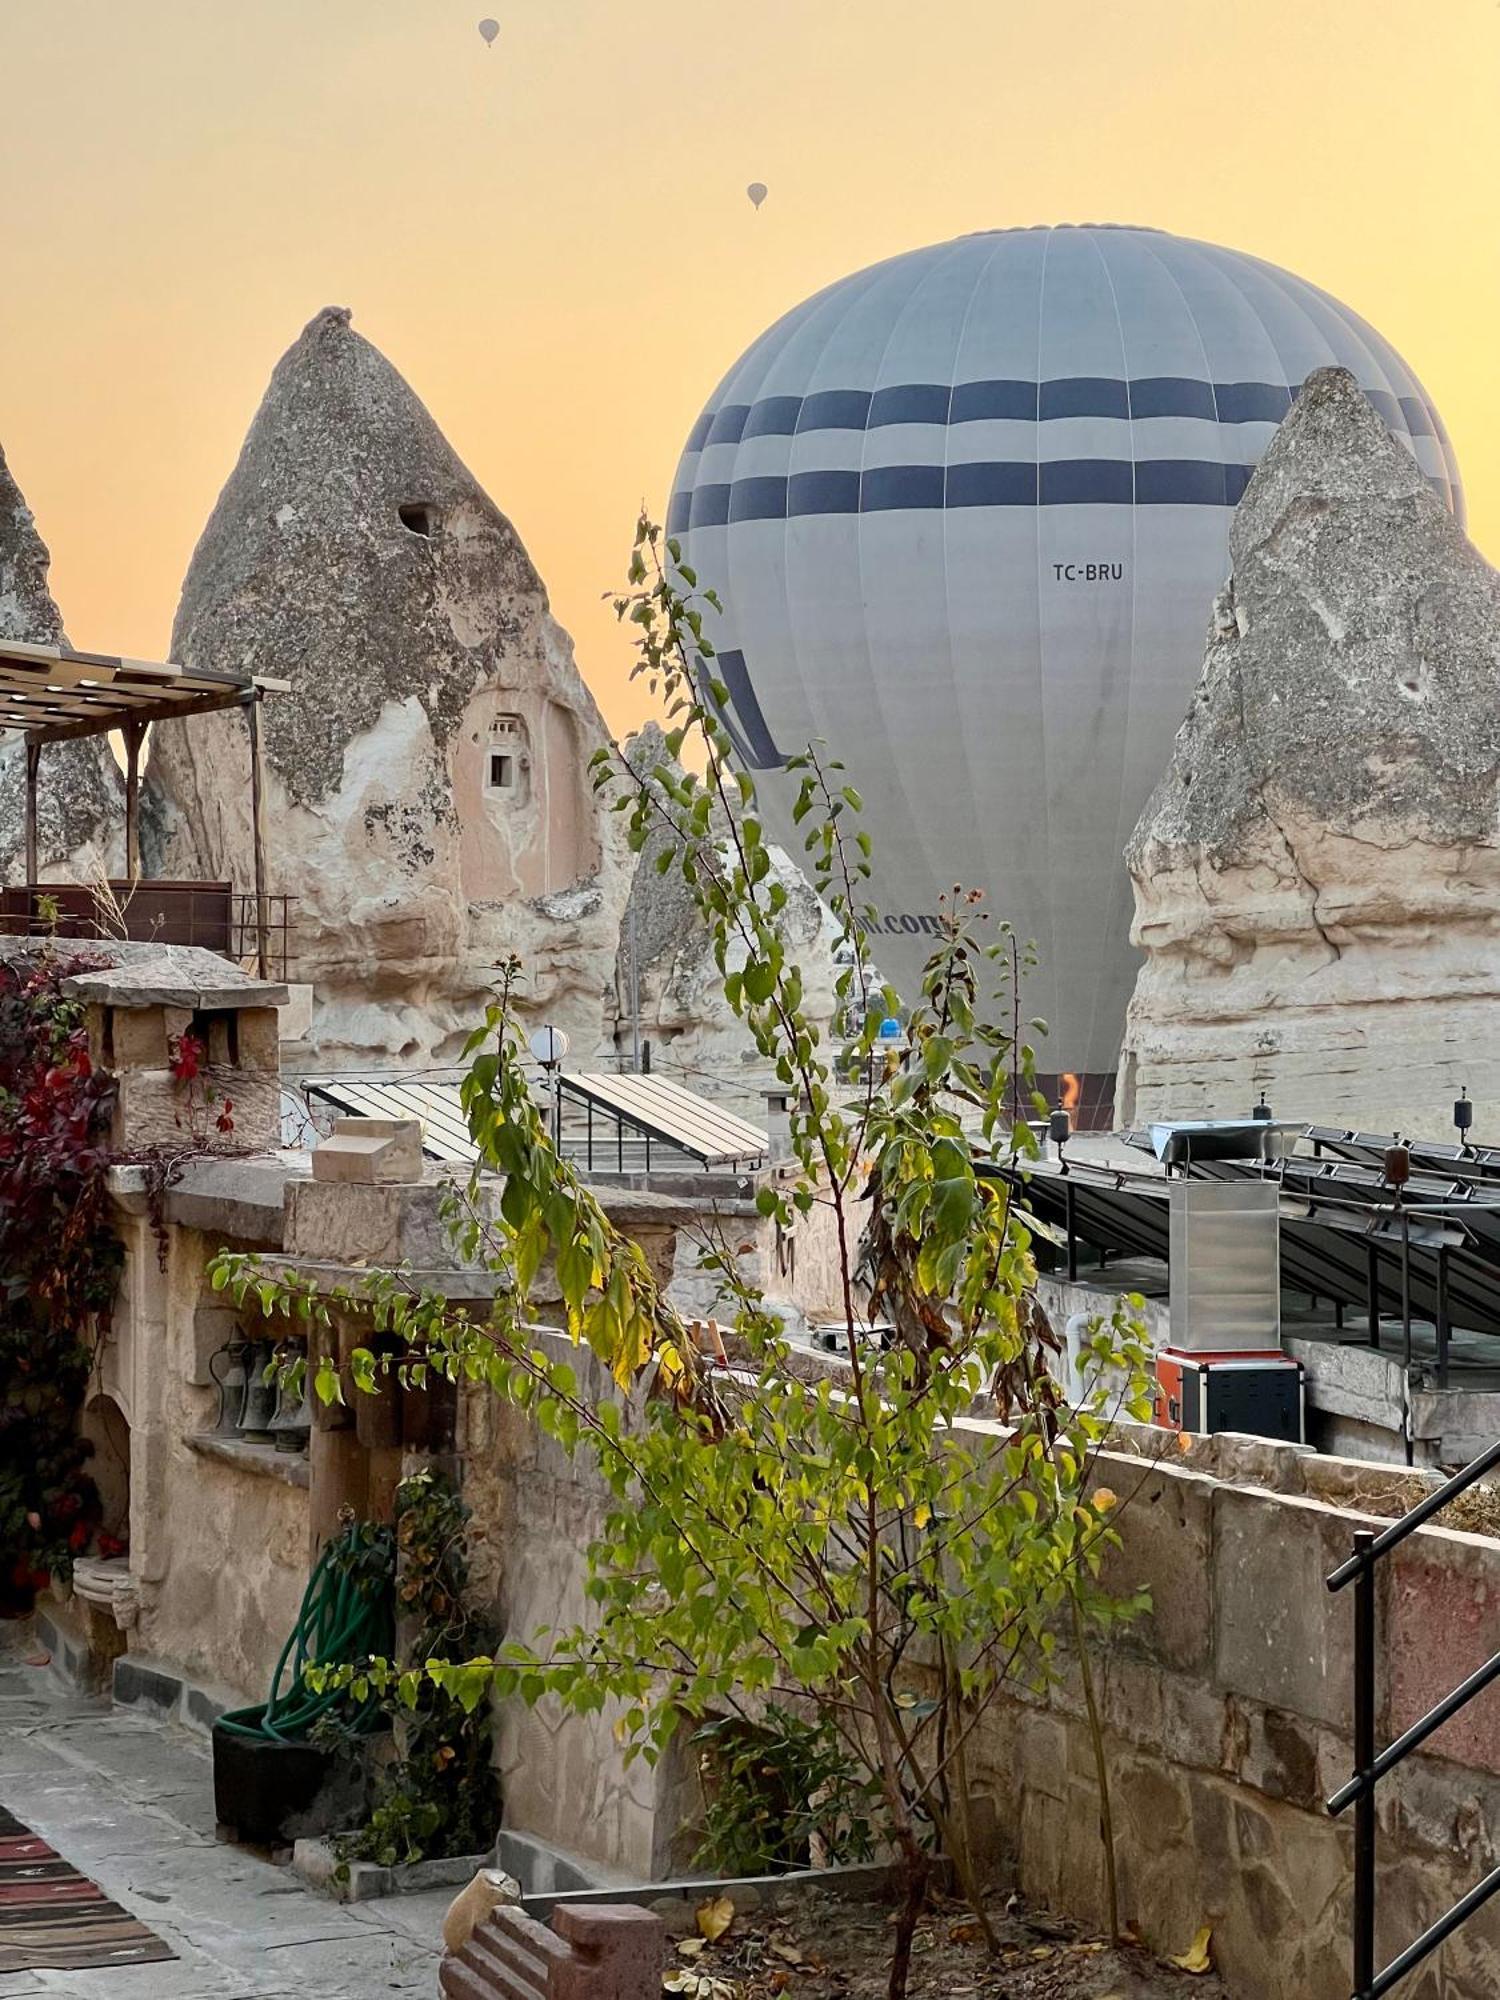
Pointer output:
x,y
272,1794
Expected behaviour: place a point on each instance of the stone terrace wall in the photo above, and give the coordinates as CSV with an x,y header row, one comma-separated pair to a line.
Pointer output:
x,y
1227,1715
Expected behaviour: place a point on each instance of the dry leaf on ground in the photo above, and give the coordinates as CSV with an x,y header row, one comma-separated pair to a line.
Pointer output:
x,y
714,1917
1199,1956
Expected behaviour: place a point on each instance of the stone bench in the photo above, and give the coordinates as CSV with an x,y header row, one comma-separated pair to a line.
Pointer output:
x,y
594,1952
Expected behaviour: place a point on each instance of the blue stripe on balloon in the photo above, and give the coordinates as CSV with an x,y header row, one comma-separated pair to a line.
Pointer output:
x,y
823,493
762,499
1084,396
910,403
1027,402
994,485
1172,396
888,488
1066,482
774,416
1091,482
753,738
977,402
1180,481
835,410
1252,402
729,425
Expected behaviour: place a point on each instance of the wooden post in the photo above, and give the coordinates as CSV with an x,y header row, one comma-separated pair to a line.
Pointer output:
x,y
134,733
33,765
258,823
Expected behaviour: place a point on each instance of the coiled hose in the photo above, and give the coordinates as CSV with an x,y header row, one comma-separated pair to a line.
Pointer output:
x,y
347,1617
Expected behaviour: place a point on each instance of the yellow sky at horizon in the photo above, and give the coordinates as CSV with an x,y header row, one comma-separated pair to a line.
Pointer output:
x,y
551,238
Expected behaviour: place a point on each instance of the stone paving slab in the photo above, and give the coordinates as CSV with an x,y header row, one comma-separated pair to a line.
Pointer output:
x,y
129,1801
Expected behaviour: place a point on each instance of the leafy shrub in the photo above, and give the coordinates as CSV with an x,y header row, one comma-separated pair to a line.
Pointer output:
x,y
59,1267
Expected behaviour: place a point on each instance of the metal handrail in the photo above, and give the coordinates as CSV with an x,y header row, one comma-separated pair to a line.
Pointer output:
x,y
1361,1569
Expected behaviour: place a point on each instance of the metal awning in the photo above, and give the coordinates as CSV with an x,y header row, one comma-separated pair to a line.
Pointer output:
x,y
1340,1233
51,694
677,1117
662,1113
445,1129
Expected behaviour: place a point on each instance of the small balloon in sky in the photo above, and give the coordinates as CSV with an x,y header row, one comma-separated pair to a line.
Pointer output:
x,y
757,192
490,29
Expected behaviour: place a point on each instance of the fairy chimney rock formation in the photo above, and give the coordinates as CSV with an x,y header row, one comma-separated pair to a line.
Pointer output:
x,y
1317,877
667,966
80,795
429,796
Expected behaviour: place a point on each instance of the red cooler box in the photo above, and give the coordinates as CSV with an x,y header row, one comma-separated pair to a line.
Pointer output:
x,y
1260,1394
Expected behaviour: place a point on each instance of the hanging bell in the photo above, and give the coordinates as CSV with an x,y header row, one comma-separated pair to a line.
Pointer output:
x,y
291,1426
260,1395
227,1372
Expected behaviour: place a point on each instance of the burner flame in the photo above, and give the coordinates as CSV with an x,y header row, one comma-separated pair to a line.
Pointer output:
x,y
1072,1090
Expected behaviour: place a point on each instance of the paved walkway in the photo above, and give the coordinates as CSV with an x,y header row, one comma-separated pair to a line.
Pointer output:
x,y
130,1803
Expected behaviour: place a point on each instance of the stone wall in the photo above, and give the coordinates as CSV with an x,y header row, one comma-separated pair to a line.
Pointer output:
x,y
218,1547
1227,1717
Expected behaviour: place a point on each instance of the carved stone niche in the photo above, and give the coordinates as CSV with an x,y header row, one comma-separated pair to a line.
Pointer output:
x,y
160,1004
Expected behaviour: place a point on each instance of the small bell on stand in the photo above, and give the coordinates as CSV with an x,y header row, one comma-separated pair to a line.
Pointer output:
x,y
260,1395
291,1427
227,1371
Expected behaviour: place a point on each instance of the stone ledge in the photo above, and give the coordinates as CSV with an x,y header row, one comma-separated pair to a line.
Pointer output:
x,y
290,1467
164,1691
319,1864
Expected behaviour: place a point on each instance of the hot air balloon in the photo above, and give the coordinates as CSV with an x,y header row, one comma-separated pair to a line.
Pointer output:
x,y
967,512
490,29
757,192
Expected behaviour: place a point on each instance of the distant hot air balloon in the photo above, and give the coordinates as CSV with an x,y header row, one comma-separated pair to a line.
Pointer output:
x,y
489,29
757,192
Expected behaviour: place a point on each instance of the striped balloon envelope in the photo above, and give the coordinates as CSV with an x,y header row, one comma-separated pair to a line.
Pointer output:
x,y
968,511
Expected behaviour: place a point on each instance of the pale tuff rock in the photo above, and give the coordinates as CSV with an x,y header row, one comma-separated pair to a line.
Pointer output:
x,y
1317,877
429,794
80,795
694,1034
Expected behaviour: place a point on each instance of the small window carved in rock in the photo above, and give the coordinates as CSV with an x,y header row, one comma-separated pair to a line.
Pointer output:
x,y
502,771
419,517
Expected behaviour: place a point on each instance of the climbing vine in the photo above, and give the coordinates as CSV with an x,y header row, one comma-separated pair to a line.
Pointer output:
x,y
59,1265
436,1799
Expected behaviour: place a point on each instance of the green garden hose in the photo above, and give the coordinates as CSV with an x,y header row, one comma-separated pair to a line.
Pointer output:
x,y
346,1619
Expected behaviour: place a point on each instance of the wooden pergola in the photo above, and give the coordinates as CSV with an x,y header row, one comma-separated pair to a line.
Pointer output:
x,y
51,694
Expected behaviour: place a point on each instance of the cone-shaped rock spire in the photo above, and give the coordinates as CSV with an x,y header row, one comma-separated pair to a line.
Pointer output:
x,y
1317,877
80,797
429,794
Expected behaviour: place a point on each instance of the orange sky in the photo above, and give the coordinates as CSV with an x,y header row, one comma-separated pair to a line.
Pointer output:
x,y
551,239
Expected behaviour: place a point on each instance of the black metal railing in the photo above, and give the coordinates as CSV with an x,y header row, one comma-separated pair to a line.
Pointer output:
x,y
1370,1765
214,915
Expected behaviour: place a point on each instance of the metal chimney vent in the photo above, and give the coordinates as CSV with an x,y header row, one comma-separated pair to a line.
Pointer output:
x,y
1226,1267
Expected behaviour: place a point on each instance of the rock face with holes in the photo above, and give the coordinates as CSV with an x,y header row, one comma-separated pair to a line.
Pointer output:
x,y
80,795
1317,877
430,800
